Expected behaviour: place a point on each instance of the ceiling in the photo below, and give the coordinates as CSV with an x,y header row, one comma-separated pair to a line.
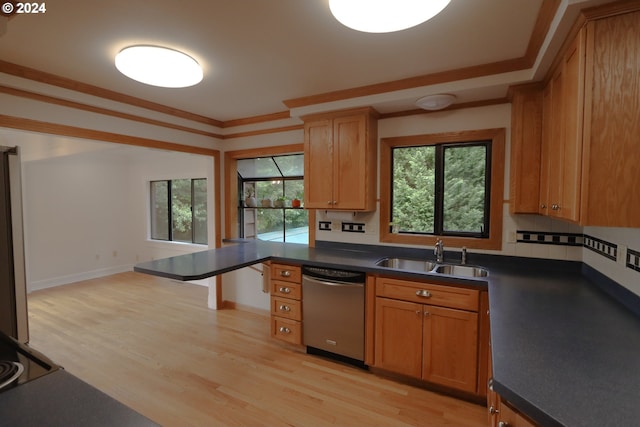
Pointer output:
x,y
257,54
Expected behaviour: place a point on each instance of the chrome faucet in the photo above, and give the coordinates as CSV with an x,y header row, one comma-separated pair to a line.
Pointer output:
x,y
439,251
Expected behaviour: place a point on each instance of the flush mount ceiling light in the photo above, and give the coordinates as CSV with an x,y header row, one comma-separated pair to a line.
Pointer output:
x,y
385,16
158,66
436,102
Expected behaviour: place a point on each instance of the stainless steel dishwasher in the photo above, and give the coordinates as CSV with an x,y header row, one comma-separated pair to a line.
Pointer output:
x,y
333,311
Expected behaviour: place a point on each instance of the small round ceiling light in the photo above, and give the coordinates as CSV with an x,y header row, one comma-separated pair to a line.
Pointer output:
x,y
436,102
385,16
159,66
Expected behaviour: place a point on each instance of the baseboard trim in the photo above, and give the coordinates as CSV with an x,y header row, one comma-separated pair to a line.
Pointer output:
x,y
77,277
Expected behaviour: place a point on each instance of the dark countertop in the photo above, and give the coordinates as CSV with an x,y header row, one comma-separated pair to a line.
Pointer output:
x,y
60,399
200,265
565,352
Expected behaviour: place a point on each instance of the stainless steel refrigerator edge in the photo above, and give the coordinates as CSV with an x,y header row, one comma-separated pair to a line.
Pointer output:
x,y
13,283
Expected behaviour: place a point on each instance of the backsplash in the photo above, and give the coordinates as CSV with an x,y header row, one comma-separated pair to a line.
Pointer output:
x,y
633,260
614,252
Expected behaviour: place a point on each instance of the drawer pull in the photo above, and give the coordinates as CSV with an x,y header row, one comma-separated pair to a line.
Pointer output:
x,y
284,308
285,273
284,290
284,330
423,293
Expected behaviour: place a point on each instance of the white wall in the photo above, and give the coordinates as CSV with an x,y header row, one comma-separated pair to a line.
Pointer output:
x,y
75,226
86,214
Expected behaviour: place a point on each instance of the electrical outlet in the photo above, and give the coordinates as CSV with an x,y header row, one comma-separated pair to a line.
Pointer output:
x,y
324,225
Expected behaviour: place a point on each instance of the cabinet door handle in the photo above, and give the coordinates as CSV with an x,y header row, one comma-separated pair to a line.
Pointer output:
x,y
426,313
423,293
284,308
493,410
284,330
284,290
329,202
543,206
503,424
285,273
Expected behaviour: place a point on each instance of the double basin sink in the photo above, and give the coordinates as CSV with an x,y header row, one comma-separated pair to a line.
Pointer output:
x,y
423,266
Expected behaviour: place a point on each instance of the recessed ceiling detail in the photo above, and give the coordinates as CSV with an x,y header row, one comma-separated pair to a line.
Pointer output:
x,y
159,66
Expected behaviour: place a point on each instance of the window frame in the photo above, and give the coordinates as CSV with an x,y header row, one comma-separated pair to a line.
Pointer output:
x,y
496,139
170,211
242,208
231,198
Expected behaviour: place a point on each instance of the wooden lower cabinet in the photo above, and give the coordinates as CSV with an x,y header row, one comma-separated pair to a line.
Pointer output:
x,y
450,347
398,340
286,304
435,344
501,414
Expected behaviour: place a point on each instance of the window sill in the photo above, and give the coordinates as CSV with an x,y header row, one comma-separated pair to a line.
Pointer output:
x,y
491,243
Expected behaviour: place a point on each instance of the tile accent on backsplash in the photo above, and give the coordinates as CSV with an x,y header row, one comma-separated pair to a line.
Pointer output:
x,y
599,246
353,227
633,260
602,247
324,225
549,238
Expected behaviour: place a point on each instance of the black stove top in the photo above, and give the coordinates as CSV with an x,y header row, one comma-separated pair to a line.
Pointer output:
x,y
20,364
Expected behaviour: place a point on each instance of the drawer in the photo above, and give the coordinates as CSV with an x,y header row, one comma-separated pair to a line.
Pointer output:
x,y
286,330
286,289
288,273
285,307
427,293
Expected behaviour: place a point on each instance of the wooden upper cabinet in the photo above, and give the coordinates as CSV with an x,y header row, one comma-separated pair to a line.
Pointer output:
x,y
340,160
572,122
560,167
526,136
318,163
611,161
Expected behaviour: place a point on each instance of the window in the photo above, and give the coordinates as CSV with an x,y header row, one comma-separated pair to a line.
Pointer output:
x,y
270,191
441,189
179,210
443,185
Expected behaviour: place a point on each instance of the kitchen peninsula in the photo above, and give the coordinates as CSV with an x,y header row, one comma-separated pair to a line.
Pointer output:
x,y
553,360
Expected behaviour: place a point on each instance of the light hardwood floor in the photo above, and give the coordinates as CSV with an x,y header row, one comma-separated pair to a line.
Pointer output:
x,y
153,344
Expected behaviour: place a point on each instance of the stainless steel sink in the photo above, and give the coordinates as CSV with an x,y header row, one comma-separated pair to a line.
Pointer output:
x,y
407,264
460,270
425,266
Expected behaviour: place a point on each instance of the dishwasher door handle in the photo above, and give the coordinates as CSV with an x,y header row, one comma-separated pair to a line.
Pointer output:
x,y
328,283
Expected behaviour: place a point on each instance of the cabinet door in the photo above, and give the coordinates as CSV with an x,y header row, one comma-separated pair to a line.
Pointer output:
x,y
318,164
450,347
572,120
398,336
611,196
544,206
555,147
349,162
526,135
